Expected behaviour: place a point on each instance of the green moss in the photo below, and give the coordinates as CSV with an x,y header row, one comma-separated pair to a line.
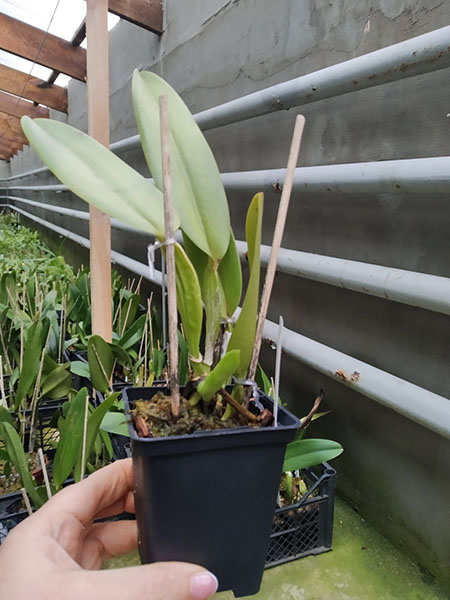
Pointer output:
x,y
363,565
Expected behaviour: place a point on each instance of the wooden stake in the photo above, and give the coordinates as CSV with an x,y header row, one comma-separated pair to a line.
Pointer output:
x,y
27,501
98,128
44,472
276,243
170,258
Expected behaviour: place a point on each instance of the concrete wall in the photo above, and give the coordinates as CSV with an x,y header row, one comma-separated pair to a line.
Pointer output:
x,y
397,473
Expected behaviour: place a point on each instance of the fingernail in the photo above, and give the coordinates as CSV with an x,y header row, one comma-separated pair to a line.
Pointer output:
x,y
203,585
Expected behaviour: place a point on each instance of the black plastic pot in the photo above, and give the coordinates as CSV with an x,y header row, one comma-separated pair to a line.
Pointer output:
x,y
306,527
12,512
208,497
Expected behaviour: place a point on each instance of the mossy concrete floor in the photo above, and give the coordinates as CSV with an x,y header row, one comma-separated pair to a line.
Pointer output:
x,y
363,565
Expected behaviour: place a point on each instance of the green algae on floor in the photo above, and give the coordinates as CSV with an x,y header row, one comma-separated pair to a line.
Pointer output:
x,y
363,565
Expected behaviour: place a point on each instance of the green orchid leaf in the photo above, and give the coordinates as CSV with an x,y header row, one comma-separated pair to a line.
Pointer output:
x,y
243,335
183,360
156,363
215,311
219,376
71,438
97,175
120,354
115,422
101,362
304,454
18,458
189,301
78,367
198,191
133,335
128,313
230,275
93,427
58,383
31,360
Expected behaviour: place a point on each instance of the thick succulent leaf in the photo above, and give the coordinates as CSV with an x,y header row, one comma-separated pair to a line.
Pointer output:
x,y
303,454
189,301
58,383
97,175
31,359
101,362
214,301
18,458
219,376
197,257
230,275
198,192
243,335
93,426
71,438
115,422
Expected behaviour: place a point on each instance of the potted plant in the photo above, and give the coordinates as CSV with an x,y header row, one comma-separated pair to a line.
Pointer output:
x,y
207,463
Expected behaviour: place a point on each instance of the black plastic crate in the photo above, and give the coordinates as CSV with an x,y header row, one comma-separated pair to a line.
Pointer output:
x,y
306,527
12,512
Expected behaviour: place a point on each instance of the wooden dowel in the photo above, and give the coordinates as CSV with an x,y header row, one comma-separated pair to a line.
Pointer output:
x,y
170,258
277,371
44,472
98,127
27,501
277,237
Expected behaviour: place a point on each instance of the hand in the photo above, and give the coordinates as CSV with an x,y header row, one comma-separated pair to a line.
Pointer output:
x,y
52,553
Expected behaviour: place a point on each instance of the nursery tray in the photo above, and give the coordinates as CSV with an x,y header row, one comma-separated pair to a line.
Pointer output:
x,y
306,527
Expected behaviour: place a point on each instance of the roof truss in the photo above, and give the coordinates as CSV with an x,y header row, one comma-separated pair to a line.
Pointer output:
x,y
43,48
26,86
12,105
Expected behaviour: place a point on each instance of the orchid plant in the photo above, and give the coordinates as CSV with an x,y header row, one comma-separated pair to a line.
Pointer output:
x,y
208,270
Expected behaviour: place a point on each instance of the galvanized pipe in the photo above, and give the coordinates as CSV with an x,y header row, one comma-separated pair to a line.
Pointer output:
x,y
411,176
418,404
429,292
422,406
421,54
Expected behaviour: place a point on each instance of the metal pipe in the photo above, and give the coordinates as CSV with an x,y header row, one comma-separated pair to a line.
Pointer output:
x,y
429,292
421,54
73,213
422,406
410,176
418,404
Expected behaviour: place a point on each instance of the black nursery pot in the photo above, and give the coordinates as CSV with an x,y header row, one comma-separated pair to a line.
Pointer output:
x,y
208,498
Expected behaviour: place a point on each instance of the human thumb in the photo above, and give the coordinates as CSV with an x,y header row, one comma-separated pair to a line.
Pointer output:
x,y
158,581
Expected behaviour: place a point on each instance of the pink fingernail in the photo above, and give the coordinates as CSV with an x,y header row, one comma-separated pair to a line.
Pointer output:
x,y
203,585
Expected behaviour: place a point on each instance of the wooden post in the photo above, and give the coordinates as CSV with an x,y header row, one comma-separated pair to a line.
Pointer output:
x,y
98,128
170,258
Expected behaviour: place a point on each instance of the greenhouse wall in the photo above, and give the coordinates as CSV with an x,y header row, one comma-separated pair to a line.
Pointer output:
x,y
396,471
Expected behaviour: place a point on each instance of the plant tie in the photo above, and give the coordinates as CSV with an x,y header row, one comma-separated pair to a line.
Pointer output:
x,y
151,249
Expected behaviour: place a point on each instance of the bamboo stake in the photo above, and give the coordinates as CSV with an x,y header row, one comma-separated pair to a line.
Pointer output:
x,y
4,401
276,243
83,446
170,258
98,125
45,473
26,501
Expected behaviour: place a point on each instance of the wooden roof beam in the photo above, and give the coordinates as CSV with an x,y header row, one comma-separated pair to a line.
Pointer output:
x,y
26,86
43,48
7,134
11,147
15,106
12,123
145,13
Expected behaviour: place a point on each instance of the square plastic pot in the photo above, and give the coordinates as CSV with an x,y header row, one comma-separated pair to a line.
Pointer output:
x,y
208,498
